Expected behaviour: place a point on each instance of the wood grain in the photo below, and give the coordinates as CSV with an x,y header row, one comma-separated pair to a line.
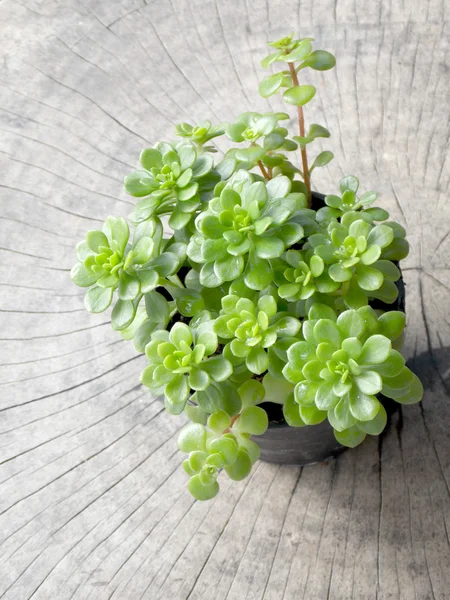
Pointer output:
x,y
92,497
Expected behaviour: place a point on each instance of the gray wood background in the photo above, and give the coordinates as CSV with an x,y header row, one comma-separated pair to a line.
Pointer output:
x,y
92,497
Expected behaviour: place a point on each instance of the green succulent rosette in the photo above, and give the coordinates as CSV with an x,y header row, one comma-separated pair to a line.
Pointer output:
x,y
107,262
253,328
302,275
171,182
180,361
355,253
343,363
349,201
200,134
223,444
243,229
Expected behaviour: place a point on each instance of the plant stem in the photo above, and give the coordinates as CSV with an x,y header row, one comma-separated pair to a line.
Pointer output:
x,y
263,170
301,126
233,419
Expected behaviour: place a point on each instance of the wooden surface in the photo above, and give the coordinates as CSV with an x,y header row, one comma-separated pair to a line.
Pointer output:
x,y
92,497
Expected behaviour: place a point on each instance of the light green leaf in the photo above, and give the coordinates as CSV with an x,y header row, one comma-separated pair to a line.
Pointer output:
x,y
95,239
82,276
302,51
371,255
368,278
312,415
157,307
305,392
392,324
219,421
369,382
200,491
179,333
339,273
349,182
291,412
97,299
229,268
241,467
253,420
177,390
325,397
381,235
392,366
226,446
149,158
322,159
208,276
218,368
340,416
362,406
268,246
414,394
326,330
187,156
320,60
276,389
192,437
257,361
198,379
375,350
351,323
149,279
129,287
299,95
252,392
278,187
270,85
377,424
351,437
122,314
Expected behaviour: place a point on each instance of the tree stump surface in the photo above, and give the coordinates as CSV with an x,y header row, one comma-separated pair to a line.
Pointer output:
x,y
93,502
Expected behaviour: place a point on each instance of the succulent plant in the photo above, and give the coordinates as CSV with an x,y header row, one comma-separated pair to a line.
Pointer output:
x,y
253,329
343,363
180,361
200,134
241,292
303,275
243,228
171,182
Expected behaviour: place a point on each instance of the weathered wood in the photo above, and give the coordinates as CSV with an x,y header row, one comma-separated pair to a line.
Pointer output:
x,y
92,497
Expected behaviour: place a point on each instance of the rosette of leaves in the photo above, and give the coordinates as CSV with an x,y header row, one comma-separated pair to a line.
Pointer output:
x,y
171,182
253,328
343,363
353,250
224,444
200,134
267,142
180,361
241,231
303,276
349,201
290,50
107,262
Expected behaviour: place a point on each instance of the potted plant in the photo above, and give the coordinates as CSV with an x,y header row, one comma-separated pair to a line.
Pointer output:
x,y
259,304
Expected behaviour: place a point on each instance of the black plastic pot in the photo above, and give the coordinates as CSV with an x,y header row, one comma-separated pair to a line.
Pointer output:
x,y
287,445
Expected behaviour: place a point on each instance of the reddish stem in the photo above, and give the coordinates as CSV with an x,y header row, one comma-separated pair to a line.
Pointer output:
x,y
263,170
301,126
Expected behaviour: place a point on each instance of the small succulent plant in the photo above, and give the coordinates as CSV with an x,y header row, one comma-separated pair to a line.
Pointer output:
x,y
240,292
